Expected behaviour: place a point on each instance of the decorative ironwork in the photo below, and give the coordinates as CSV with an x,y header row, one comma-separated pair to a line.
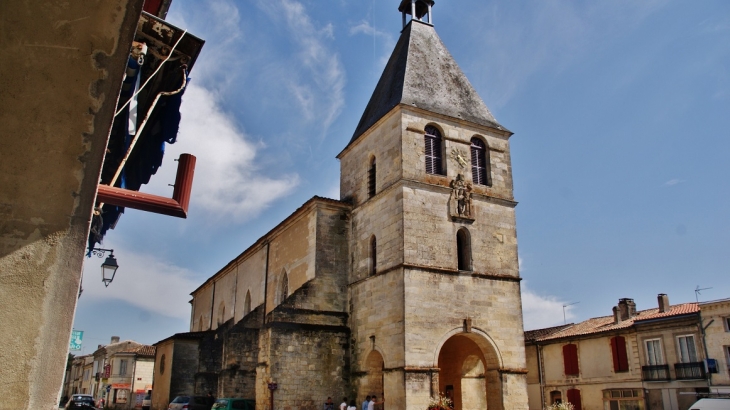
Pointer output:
x,y
99,252
655,373
690,371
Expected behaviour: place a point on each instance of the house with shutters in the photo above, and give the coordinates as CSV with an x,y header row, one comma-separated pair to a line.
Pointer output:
x,y
650,359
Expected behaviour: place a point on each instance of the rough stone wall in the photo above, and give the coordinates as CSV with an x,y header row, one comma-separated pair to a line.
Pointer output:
x,y
56,108
381,142
237,377
309,364
183,368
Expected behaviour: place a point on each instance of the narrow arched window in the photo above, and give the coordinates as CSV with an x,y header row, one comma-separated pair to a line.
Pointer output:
x,y
434,150
463,249
371,178
480,172
221,313
247,303
283,288
373,255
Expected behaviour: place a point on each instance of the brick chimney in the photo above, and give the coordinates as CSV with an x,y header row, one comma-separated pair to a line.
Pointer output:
x,y
115,339
627,308
663,302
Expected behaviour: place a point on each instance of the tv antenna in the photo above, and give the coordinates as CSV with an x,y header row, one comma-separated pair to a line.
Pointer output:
x,y
697,292
565,322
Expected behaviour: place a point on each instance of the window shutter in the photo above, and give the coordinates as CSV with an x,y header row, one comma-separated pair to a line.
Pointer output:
x,y
570,360
432,144
620,357
574,398
479,164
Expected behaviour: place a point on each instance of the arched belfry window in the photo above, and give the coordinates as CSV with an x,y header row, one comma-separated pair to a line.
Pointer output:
x,y
480,172
371,178
373,255
434,150
463,249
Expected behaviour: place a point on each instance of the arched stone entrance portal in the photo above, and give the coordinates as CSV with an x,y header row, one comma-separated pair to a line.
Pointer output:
x,y
373,382
469,373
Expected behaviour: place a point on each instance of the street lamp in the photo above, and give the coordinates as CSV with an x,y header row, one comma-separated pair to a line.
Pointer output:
x,y
109,267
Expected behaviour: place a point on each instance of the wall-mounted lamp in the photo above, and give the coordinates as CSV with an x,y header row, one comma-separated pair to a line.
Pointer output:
x,y
109,267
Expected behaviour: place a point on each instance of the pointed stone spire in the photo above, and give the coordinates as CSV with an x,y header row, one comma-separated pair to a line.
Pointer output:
x,y
422,73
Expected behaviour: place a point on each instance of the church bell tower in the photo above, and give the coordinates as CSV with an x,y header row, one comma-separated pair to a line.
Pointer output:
x,y
434,286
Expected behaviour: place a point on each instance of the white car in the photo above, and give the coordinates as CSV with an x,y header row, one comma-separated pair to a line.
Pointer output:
x,y
711,404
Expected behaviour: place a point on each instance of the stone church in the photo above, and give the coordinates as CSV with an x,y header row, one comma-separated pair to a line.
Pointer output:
x,y
406,287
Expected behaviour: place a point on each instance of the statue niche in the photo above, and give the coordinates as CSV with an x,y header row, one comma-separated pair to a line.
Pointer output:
x,y
460,199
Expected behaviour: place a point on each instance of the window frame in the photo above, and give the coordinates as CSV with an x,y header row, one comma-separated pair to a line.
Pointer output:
x,y
122,367
680,353
658,342
247,303
433,143
480,175
726,321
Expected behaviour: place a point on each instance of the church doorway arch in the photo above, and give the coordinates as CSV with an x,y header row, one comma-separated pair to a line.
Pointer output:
x,y
374,366
469,372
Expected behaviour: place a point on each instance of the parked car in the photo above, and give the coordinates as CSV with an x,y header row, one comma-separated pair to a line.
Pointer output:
x,y
80,402
190,403
711,404
234,404
147,402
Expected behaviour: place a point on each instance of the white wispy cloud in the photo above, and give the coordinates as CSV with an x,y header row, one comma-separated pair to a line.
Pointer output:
x,y
386,38
672,182
543,311
228,184
144,281
317,78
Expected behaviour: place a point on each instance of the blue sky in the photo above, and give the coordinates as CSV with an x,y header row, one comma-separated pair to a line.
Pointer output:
x,y
620,109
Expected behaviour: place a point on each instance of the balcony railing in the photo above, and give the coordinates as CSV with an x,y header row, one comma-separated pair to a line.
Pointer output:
x,y
690,371
655,373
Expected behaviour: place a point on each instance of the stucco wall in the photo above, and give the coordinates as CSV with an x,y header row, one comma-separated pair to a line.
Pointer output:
x,y
59,92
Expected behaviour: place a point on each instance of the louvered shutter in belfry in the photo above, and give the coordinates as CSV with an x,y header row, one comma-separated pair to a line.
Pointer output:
x,y
432,141
478,162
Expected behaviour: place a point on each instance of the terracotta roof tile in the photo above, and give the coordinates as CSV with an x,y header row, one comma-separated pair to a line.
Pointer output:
x,y
606,323
532,335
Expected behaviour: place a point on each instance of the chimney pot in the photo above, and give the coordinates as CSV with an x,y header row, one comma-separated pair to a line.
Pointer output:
x,y
663,302
115,339
616,315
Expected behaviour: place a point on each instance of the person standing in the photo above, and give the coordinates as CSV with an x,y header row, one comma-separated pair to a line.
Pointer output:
x,y
365,403
352,405
343,405
329,405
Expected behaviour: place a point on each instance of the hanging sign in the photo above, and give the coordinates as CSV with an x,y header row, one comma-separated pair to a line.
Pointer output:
x,y
76,337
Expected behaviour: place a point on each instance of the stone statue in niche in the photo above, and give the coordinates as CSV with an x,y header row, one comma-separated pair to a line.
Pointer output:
x,y
460,199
